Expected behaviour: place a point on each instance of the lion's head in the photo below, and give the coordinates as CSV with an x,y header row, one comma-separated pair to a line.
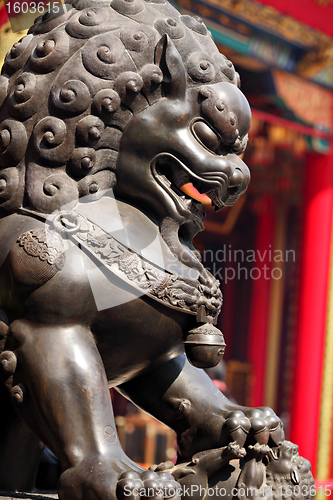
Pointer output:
x,y
130,95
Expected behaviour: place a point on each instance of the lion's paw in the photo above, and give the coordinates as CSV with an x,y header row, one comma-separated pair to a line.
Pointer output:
x,y
237,425
100,478
261,424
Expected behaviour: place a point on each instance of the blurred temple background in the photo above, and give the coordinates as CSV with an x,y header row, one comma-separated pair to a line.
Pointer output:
x,y
272,251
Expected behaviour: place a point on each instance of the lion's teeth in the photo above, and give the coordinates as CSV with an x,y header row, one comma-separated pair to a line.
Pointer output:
x,y
166,180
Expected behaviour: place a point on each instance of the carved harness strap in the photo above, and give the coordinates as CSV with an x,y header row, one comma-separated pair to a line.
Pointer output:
x,y
170,289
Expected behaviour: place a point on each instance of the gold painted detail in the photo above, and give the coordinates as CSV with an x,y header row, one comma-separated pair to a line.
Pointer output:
x,y
308,101
326,406
266,16
7,39
270,19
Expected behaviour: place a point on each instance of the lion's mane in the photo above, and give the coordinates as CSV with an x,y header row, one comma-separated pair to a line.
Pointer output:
x,y
69,88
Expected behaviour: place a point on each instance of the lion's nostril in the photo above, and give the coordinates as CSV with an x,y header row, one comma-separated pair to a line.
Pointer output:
x,y
236,179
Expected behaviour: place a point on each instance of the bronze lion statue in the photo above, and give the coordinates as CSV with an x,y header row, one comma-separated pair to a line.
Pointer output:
x,y
107,109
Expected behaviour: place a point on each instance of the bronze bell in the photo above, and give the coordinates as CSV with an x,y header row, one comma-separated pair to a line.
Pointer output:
x,y
205,346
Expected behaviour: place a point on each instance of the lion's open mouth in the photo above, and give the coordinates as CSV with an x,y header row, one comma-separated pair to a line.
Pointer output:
x,y
171,174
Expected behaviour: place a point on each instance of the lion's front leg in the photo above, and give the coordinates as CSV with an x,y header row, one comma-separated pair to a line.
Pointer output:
x,y
212,432
187,400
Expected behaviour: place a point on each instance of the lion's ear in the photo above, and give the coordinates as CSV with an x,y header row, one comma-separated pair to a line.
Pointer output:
x,y
169,60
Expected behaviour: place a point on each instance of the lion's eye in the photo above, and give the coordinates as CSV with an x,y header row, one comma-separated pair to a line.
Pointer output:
x,y
206,135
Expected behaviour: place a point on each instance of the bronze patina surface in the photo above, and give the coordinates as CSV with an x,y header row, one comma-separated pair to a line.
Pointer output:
x,y
108,109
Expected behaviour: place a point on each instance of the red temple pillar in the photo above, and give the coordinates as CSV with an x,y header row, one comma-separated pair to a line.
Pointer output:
x,y
260,304
318,204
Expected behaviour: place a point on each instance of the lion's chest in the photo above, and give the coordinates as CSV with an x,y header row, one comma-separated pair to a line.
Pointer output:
x,y
133,333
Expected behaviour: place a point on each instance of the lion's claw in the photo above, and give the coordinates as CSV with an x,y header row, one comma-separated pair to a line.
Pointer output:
x,y
163,466
238,426
274,425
